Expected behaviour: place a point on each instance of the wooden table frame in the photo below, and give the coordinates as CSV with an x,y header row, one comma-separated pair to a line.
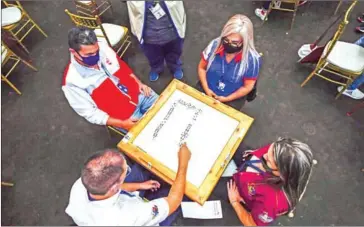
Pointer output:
x,y
201,194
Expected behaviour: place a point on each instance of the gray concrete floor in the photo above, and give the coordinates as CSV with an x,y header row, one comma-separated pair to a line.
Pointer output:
x,y
44,142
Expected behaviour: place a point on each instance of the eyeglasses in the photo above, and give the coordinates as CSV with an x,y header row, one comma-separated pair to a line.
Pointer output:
x,y
233,43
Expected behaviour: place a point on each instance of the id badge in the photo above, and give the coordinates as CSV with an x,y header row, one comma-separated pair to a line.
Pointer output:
x,y
221,86
157,11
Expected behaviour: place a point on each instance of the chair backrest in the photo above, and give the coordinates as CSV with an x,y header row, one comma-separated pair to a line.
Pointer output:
x,y
17,4
5,53
89,22
339,31
87,8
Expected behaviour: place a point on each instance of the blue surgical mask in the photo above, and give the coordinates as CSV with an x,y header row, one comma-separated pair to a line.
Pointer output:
x,y
90,60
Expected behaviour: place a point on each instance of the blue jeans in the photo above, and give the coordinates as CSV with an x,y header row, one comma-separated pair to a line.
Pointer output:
x,y
170,52
137,175
144,103
360,79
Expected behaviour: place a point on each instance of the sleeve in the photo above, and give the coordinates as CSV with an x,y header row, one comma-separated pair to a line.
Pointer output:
x,y
152,212
123,66
253,68
263,214
207,52
360,41
84,106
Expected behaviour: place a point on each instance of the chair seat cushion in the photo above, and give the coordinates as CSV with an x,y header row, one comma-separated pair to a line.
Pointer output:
x,y
4,53
10,15
85,2
114,32
347,56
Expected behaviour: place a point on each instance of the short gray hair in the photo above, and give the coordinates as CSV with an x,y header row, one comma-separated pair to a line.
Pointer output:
x,y
102,171
81,36
294,161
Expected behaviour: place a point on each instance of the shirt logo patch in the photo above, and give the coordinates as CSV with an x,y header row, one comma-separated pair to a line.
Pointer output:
x,y
265,218
155,211
251,190
108,61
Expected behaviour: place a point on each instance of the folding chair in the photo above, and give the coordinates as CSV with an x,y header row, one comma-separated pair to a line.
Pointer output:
x,y
91,8
3,183
18,22
115,36
345,60
8,56
338,6
274,5
113,129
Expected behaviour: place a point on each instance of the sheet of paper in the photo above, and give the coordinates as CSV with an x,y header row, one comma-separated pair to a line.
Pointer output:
x,y
184,118
230,169
210,210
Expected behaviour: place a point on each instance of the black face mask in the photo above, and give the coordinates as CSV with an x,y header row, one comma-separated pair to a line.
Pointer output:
x,y
231,49
266,167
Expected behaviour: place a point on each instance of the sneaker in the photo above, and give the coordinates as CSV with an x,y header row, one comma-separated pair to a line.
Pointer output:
x,y
354,94
178,74
261,13
360,29
153,76
361,19
301,3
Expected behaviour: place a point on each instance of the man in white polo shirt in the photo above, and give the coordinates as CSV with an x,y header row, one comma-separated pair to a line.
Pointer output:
x,y
101,196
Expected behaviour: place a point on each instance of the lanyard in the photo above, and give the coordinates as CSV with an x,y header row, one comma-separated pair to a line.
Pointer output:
x,y
250,163
223,70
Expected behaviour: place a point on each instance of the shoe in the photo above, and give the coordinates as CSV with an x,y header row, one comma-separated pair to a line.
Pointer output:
x,y
178,74
360,29
261,13
301,3
276,4
354,94
153,76
361,19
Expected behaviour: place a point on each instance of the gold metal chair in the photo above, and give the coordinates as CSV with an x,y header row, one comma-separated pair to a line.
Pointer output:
x,y
8,56
277,5
345,60
3,183
110,128
115,35
18,22
91,8
338,6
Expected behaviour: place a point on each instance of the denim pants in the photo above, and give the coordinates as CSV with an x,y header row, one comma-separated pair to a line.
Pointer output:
x,y
137,175
144,103
170,52
360,79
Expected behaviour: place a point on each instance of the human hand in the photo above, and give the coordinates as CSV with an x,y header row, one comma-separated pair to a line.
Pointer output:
x,y
221,98
150,185
129,123
184,154
233,192
145,90
210,93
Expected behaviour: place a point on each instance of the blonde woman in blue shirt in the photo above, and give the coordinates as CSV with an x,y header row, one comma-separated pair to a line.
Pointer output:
x,y
229,65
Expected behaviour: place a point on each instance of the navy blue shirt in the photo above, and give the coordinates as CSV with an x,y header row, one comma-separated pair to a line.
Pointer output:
x,y
160,31
221,75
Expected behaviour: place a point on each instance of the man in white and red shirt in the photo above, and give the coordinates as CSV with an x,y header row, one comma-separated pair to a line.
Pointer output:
x,y
99,86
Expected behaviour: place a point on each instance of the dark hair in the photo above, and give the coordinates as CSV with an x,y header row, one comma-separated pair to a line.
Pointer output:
x,y
294,161
81,36
102,171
